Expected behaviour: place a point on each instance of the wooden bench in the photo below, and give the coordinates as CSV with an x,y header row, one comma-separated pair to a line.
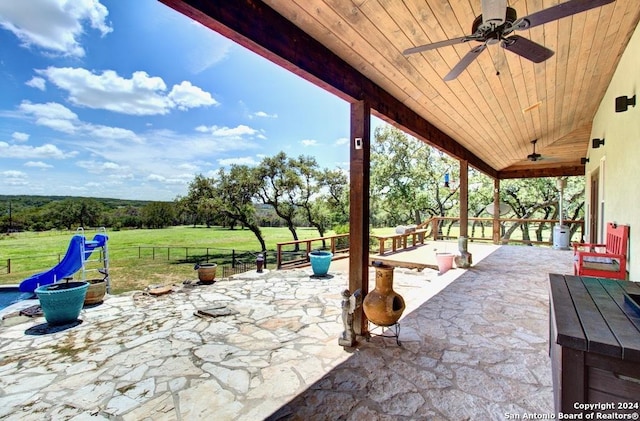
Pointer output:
x,y
603,260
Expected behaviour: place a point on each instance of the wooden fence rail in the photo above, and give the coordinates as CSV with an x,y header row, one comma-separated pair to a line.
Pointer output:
x,y
437,228
441,227
337,244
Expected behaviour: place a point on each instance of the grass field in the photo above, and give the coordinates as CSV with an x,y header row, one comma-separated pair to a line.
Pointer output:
x,y
134,263
139,258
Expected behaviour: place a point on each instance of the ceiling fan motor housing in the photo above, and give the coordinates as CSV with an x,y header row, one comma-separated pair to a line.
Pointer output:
x,y
534,156
491,32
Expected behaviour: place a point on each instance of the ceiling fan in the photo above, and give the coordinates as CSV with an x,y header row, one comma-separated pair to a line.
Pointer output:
x,y
498,21
534,156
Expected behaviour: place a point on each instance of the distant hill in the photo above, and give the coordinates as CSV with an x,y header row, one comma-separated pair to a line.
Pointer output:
x,y
19,202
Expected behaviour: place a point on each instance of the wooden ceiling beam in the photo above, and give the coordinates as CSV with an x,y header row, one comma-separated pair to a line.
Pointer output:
x,y
563,171
256,26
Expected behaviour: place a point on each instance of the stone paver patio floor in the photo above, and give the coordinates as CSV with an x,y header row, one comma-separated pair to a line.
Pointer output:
x,y
474,346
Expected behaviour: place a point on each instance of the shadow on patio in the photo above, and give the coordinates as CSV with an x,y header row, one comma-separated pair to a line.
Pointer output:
x,y
478,350
265,345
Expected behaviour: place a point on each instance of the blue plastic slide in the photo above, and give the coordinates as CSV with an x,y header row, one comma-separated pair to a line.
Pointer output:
x,y
70,263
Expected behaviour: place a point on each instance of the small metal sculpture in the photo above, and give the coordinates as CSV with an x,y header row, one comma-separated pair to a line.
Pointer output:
x,y
349,304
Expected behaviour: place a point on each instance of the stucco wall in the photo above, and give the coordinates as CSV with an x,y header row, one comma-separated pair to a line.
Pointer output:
x,y
620,179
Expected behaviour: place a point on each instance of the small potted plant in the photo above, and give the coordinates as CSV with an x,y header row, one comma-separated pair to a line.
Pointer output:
x,y
61,302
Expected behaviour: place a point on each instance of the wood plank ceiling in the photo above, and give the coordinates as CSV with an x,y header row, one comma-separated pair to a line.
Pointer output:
x,y
501,102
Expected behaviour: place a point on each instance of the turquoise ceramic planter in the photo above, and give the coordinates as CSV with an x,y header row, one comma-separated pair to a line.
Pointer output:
x,y
320,261
61,302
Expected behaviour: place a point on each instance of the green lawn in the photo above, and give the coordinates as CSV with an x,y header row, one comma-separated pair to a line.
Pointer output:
x,y
139,258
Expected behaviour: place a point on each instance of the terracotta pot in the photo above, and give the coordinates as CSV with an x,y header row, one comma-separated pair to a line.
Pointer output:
x,y
207,272
383,306
96,291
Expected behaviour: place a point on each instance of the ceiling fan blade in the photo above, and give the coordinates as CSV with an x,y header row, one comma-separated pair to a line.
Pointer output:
x,y
526,48
559,11
494,12
465,62
435,45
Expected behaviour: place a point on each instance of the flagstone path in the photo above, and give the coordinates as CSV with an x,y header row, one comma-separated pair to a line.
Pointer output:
x,y
265,346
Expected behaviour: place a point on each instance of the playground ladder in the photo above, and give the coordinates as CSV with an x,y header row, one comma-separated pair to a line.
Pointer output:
x,y
103,258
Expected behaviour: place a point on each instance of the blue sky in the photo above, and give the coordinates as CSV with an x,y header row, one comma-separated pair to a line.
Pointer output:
x,y
130,99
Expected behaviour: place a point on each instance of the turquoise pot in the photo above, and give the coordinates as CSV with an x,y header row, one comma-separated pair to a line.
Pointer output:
x,y
61,302
320,261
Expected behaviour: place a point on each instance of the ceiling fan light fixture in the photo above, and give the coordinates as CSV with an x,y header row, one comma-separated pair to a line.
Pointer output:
x,y
494,12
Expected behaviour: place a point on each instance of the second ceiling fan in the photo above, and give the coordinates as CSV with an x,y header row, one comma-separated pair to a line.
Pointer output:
x,y
496,24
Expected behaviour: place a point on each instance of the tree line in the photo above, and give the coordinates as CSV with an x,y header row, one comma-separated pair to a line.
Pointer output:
x,y
410,182
295,189
41,213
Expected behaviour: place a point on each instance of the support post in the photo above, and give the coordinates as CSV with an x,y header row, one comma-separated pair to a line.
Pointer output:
x,y
464,259
464,198
496,211
360,160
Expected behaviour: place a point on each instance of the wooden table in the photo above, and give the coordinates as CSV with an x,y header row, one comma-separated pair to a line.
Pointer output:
x,y
594,340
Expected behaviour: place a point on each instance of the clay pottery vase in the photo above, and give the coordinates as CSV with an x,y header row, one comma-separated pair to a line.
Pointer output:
x,y
96,291
206,272
383,306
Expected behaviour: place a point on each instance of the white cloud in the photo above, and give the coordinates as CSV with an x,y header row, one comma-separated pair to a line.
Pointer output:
x,y
175,156
53,25
19,137
188,167
99,167
186,96
37,164
53,115
14,178
37,82
246,160
228,132
341,141
309,142
262,114
13,173
156,177
106,132
46,151
140,95
60,118
49,110
181,179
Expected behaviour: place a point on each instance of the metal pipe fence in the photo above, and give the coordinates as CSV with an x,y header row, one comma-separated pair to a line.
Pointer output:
x,y
175,254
